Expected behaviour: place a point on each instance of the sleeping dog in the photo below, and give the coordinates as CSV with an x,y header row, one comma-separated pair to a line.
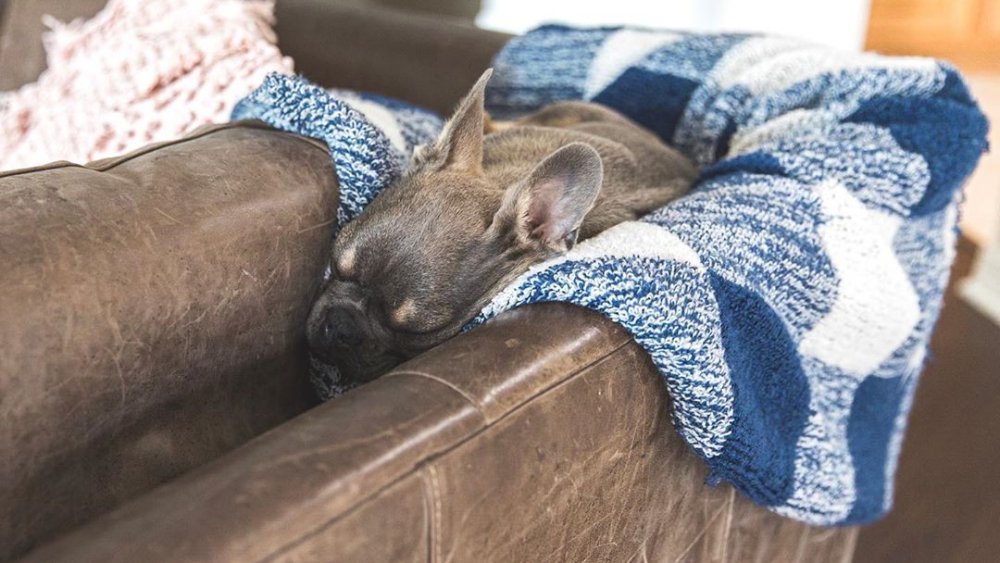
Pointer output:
x,y
474,211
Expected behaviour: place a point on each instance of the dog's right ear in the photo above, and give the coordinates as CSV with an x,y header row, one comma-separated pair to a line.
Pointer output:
x,y
546,209
459,147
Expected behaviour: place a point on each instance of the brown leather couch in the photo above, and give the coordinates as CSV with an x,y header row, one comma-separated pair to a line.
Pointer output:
x,y
152,373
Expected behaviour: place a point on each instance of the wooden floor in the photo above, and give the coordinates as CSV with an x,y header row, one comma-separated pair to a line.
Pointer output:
x,y
948,486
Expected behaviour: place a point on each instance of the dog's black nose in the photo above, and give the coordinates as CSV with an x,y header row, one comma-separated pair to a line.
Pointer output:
x,y
341,328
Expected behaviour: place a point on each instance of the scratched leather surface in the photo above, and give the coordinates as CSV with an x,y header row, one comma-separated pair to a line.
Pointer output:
x,y
565,455
152,314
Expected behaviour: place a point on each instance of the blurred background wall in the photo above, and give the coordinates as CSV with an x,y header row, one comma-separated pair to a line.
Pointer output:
x,y
839,23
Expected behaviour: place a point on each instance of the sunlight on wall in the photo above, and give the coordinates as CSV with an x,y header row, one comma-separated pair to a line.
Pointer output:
x,y
838,23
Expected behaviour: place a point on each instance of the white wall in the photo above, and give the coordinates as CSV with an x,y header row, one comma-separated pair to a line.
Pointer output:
x,y
839,23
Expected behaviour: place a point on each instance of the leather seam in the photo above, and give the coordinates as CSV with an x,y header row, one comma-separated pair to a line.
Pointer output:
x,y
428,504
115,161
429,459
416,469
479,406
435,546
555,384
466,396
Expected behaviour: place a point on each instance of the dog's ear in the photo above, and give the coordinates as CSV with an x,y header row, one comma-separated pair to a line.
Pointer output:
x,y
547,208
460,145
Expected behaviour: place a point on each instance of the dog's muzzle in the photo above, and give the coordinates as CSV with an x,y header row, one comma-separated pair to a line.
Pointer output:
x,y
341,332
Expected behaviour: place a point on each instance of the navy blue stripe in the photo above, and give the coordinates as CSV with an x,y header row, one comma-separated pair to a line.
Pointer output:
x,y
948,130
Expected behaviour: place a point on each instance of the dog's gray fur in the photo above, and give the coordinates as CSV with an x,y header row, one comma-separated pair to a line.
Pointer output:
x,y
476,209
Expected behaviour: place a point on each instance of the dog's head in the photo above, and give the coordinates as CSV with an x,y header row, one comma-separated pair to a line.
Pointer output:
x,y
434,247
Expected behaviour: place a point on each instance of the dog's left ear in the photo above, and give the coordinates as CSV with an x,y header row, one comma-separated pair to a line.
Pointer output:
x,y
547,208
459,147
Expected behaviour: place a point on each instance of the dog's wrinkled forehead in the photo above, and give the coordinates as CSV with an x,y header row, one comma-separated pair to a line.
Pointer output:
x,y
415,243
438,208
416,216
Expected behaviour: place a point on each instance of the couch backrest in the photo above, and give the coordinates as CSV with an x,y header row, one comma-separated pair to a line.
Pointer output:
x,y
430,61
153,315
22,57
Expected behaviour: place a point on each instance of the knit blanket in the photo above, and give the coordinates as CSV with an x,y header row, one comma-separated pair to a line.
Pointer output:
x,y
788,300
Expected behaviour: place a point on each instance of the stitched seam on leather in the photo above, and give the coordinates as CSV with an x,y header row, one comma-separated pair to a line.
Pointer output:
x,y
278,552
487,424
465,395
436,522
556,383
142,151
316,226
430,526
417,467
115,161
426,462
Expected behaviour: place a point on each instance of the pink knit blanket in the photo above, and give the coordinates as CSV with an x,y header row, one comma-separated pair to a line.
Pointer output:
x,y
139,71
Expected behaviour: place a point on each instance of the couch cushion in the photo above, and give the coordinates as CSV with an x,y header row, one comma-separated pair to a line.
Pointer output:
x,y
317,33
22,57
153,315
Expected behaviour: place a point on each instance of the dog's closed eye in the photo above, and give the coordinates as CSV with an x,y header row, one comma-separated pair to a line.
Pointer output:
x,y
416,318
345,262
403,313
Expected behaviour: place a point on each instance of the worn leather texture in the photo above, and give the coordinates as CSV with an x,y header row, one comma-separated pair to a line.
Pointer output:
x,y
502,445
153,311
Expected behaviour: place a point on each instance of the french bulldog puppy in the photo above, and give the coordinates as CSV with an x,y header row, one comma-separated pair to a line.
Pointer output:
x,y
475,210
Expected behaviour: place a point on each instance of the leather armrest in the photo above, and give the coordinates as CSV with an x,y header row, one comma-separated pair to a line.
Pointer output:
x,y
543,435
153,308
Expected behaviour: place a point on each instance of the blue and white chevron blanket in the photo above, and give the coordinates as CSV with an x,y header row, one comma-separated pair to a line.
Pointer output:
x,y
789,299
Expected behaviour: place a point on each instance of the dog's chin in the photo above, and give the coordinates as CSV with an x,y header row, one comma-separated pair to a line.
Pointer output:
x,y
371,359
356,368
